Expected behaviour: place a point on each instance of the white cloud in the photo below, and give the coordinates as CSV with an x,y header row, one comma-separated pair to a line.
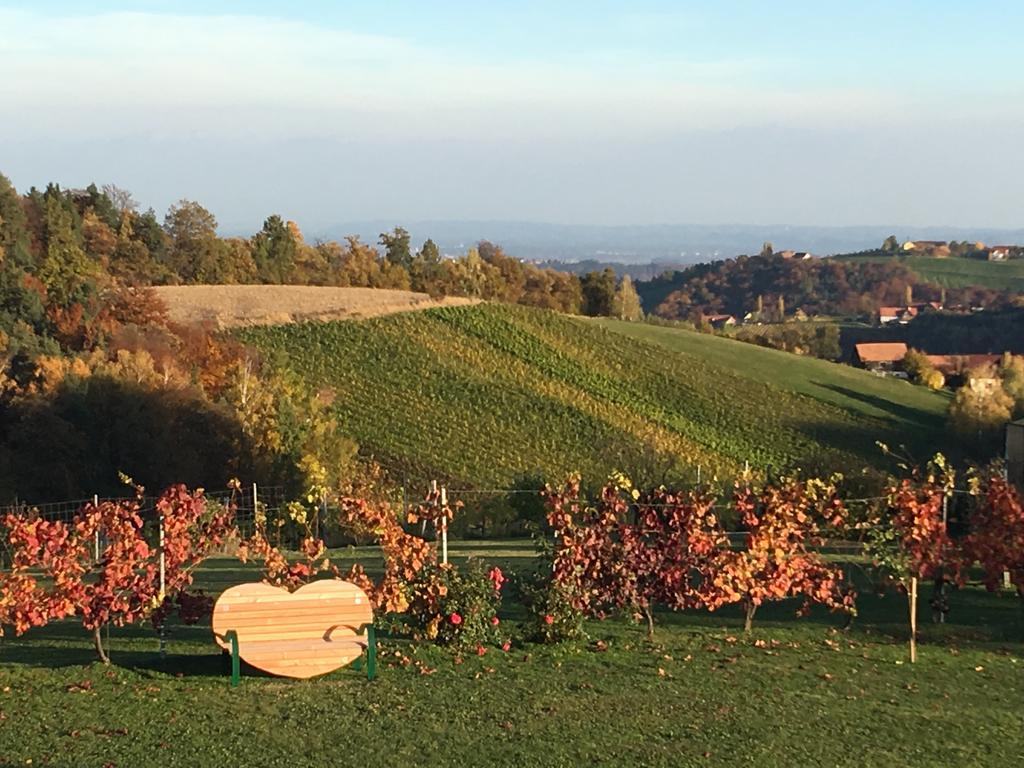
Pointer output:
x,y
125,74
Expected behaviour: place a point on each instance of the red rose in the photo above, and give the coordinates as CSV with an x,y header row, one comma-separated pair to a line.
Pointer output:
x,y
497,578
549,619
480,650
505,646
495,621
455,619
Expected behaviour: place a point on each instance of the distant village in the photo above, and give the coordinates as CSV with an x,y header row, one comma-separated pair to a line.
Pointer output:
x,y
937,249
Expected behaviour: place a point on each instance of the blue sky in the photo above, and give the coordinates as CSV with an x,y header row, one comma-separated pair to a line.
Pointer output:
x,y
606,113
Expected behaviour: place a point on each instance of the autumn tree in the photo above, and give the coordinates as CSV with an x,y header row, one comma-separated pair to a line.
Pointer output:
x,y
100,240
921,370
355,264
980,409
1011,374
626,304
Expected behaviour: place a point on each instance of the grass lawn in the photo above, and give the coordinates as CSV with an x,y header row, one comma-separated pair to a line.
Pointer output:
x,y
794,692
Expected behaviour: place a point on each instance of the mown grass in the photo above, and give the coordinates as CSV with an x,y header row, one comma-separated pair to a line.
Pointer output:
x,y
794,692
958,272
489,394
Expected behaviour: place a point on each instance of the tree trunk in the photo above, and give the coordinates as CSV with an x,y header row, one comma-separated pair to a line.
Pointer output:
x,y
649,614
748,624
938,601
913,620
97,640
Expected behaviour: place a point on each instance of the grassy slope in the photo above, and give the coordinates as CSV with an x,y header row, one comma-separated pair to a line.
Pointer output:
x,y
961,273
704,695
904,407
486,394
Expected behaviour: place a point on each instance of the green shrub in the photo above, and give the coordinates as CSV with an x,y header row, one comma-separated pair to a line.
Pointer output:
x,y
457,607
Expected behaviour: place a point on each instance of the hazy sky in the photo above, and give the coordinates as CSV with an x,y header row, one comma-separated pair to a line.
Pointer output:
x,y
578,112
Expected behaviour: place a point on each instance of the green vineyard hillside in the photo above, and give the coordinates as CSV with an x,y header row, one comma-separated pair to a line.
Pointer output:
x,y
958,272
487,395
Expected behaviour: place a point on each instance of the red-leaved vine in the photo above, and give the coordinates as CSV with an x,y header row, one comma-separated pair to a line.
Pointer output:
x,y
55,572
784,527
631,551
996,538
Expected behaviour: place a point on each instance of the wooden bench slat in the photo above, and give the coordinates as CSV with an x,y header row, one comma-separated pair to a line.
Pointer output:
x,y
314,630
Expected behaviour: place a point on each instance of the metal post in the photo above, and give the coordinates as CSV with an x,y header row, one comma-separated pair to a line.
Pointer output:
x,y
942,584
698,474
444,527
163,587
323,516
96,543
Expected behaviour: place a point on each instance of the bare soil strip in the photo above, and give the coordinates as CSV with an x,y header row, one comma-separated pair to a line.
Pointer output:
x,y
233,306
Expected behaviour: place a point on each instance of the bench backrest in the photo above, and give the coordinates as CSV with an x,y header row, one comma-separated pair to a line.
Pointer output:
x,y
273,624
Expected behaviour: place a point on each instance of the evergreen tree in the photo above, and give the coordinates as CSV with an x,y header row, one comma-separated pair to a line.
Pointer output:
x,y
273,250
147,230
397,248
425,268
194,249
102,206
14,236
598,292
65,270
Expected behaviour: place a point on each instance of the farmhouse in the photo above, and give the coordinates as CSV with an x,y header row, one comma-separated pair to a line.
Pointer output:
x,y
1001,252
904,315
881,357
790,254
901,315
720,321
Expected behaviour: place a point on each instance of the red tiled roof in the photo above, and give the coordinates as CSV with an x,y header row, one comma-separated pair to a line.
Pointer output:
x,y
881,351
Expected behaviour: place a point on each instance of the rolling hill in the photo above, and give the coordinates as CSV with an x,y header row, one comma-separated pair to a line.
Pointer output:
x,y
957,272
482,396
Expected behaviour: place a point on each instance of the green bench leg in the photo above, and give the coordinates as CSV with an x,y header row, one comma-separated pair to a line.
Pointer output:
x,y
371,653
236,665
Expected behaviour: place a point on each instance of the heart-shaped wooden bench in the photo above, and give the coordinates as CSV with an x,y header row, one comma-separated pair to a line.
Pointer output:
x,y
321,627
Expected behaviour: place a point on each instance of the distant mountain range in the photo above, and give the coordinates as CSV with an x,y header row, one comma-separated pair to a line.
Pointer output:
x,y
668,243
